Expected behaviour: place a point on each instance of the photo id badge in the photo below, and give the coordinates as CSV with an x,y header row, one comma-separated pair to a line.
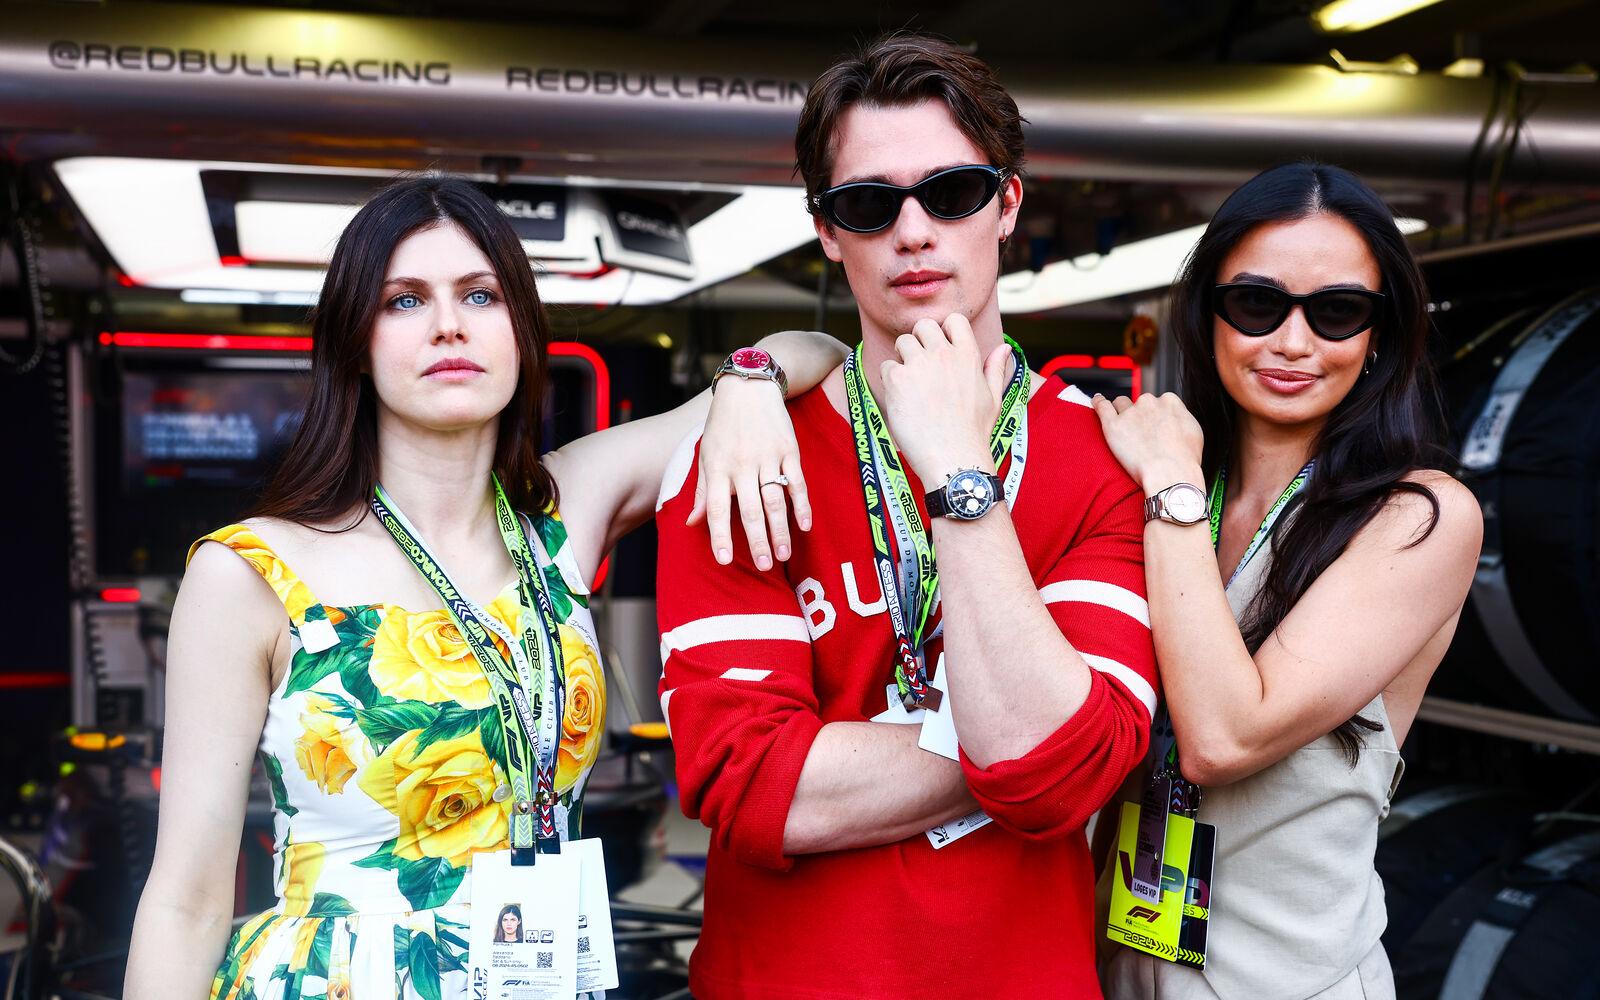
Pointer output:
x,y
524,937
1153,928
597,953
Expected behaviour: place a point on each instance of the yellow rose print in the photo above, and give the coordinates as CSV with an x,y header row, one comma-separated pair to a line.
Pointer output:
x,y
294,594
423,657
331,749
302,865
443,796
583,721
304,937
339,988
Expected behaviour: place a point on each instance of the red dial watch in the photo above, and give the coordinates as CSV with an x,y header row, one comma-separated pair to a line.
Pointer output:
x,y
752,362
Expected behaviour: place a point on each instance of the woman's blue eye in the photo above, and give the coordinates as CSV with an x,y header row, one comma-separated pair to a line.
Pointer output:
x,y
405,300
480,297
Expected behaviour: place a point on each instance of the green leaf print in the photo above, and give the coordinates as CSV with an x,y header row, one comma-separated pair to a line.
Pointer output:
x,y
281,972
552,533
402,940
429,882
360,625
382,858
560,600
306,669
327,904
424,962
384,724
452,937
280,794
358,680
321,946
453,721
493,736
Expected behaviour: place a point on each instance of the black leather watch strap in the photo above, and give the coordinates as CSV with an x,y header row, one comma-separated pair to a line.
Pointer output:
x,y
938,501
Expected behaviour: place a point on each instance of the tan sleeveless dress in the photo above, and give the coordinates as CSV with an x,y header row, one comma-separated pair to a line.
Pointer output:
x,y
1298,908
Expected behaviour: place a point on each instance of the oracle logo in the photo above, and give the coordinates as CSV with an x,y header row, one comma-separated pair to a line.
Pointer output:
x,y
643,224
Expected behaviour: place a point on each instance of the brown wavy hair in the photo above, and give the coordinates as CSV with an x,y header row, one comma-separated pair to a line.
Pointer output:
x,y
900,69
331,466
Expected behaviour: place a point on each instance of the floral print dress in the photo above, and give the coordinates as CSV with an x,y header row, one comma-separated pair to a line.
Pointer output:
x,y
386,763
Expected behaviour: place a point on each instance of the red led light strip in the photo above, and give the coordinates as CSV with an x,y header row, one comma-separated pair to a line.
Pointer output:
x,y
1115,362
205,341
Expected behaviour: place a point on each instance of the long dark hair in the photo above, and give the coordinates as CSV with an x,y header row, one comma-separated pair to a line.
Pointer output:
x,y
1385,428
332,465
499,922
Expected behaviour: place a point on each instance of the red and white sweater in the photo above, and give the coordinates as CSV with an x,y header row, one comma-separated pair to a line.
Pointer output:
x,y
756,663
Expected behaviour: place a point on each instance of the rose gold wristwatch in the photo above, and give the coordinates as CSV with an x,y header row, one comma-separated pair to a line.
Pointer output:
x,y
1180,503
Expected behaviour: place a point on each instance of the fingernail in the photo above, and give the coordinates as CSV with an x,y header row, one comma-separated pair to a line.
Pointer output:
x,y
763,562
805,524
783,552
724,556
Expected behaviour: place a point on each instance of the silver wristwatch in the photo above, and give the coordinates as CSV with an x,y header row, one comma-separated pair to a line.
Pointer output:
x,y
752,362
1180,503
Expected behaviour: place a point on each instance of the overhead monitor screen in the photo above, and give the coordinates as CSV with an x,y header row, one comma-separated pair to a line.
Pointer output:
x,y
217,429
184,446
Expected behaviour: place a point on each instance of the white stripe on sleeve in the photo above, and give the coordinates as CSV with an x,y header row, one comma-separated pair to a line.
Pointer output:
x,y
1130,678
745,674
733,628
678,465
1107,595
666,696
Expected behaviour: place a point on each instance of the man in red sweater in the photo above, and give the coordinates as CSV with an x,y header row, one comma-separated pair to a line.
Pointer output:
x,y
816,707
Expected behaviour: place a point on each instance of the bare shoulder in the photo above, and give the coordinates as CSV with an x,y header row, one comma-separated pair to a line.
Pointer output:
x,y
1446,516
222,584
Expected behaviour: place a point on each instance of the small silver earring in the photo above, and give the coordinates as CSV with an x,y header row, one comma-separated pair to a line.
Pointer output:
x,y
1370,359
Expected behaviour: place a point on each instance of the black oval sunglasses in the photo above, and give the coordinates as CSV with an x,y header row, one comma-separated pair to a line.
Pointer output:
x,y
1255,309
868,206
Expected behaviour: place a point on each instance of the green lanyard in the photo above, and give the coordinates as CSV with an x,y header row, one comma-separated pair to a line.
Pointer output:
x,y
532,731
1219,489
1186,796
911,592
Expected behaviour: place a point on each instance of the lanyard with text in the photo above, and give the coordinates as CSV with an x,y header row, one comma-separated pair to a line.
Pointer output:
x,y
532,732
1219,490
911,594
1185,796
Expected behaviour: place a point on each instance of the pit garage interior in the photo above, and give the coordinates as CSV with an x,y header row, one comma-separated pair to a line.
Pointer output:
x,y
174,176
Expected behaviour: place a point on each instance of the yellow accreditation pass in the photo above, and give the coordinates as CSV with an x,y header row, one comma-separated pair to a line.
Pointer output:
x,y
1153,928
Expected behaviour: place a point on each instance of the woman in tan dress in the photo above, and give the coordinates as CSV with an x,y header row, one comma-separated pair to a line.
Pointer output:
x,y
1297,636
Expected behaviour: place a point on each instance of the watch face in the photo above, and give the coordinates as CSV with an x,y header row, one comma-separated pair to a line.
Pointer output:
x,y
1186,505
751,359
970,495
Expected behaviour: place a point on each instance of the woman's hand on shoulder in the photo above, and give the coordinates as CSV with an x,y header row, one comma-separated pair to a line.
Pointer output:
x,y
1155,438
747,453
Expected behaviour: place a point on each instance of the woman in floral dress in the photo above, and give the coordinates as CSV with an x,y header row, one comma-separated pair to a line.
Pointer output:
x,y
306,635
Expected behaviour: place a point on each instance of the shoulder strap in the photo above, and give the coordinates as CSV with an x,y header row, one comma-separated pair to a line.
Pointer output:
x,y
548,534
297,598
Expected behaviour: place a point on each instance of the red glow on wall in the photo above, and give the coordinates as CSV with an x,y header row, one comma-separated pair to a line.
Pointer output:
x,y
1061,361
233,260
205,341
34,680
120,595
245,342
602,377
1114,362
